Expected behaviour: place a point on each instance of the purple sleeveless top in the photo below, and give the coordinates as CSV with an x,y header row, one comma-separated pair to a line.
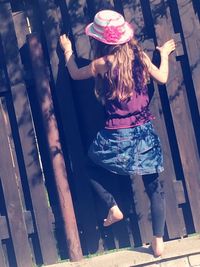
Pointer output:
x,y
129,113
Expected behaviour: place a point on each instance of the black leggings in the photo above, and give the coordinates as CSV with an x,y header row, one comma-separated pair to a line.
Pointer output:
x,y
154,190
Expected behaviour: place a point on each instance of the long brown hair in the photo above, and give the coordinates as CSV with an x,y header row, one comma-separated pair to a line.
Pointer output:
x,y
126,73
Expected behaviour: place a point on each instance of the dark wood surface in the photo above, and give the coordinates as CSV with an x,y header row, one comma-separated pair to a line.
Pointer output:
x,y
50,125
27,136
26,161
13,201
181,114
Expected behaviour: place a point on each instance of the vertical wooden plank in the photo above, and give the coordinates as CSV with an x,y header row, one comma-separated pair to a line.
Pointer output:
x,y
22,188
27,135
175,222
3,87
62,92
2,258
85,100
51,128
180,112
4,106
22,183
78,20
133,14
96,5
4,234
13,202
191,32
196,7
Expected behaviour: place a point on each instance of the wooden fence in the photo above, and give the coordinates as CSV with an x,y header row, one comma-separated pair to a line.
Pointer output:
x,y
46,116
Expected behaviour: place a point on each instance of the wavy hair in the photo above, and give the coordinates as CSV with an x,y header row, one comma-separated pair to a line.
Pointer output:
x,y
126,75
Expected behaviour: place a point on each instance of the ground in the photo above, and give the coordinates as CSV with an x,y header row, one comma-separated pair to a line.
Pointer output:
x,y
183,252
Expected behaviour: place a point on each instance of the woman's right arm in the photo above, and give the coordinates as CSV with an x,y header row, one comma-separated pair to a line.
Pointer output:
x,y
161,74
75,72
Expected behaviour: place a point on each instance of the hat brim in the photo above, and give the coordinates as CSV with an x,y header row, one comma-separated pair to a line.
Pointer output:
x,y
126,36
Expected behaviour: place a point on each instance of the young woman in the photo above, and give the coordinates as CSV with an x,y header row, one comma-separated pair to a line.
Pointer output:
x,y
128,143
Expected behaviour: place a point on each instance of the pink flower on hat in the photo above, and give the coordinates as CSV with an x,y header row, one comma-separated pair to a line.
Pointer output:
x,y
112,33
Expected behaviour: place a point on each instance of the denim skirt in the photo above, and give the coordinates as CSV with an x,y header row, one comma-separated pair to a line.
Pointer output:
x,y
128,151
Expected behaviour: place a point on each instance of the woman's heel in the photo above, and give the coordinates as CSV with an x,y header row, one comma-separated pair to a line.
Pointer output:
x,y
157,246
114,215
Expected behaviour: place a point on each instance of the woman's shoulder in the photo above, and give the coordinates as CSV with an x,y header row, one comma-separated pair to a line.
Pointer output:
x,y
101,64
104,60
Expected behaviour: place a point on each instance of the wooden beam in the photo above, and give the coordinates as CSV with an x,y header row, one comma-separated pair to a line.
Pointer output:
x,y
51,129
63,93
180,111
14,208
27,135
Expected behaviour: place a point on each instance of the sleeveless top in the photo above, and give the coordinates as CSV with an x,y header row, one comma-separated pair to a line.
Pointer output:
x,y
129,113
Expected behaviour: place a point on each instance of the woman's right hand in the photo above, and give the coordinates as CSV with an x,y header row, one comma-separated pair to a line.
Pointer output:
x,y
65,43
167,47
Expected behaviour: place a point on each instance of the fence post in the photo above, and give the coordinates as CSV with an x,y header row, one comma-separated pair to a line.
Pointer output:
x,y
52,134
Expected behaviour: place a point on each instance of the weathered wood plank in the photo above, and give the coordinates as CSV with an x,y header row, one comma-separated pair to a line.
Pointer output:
x,y
196,8
179,191
191,32
175,221
95,5
3,85
133,14
42,87
27,135
141,15
4,233
5,105
77,16
22,183
84,204
2,257
78,21
13,202
180,112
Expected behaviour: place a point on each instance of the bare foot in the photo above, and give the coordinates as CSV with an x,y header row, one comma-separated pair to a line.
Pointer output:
x,y
114,215
157,246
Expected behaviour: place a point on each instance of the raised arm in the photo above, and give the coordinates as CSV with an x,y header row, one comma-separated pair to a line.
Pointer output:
x,y
75,72
161,74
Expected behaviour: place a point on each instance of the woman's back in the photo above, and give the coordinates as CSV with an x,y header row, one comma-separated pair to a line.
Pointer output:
x,y
125,113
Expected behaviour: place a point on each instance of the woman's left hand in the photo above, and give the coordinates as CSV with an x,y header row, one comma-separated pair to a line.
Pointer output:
x,y
167,47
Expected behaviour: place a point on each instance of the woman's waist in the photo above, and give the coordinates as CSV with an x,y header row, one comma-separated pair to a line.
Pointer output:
x,y
120,122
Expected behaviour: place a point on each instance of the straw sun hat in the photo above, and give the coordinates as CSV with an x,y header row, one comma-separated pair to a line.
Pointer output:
x,y
110,27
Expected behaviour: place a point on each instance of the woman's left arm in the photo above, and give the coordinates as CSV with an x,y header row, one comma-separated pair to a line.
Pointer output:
x,y
161,74
75,72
